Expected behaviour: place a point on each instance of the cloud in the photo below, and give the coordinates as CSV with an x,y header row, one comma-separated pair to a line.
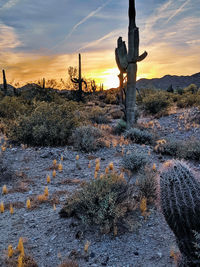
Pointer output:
x,y
9,4
8,38
89,16
179,10
98,44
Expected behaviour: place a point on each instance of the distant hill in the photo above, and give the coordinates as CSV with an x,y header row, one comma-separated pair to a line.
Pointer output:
x,y
167,80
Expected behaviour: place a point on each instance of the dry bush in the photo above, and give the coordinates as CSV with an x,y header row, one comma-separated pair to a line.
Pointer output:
x,y
147,183
103,202
68,263
27,261
87,138
99,115
189,149
139,136
135,160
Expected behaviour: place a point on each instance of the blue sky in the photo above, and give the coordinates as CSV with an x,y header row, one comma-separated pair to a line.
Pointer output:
x,y
42,38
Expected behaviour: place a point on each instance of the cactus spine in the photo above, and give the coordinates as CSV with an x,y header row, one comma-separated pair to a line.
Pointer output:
x,y
180,202
4,82
127,63
79,81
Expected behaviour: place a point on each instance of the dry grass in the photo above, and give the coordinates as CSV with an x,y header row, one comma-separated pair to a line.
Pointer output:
x,y
68,263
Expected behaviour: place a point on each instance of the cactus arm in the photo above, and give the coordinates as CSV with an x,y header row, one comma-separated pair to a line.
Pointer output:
x,y
142,57
85,83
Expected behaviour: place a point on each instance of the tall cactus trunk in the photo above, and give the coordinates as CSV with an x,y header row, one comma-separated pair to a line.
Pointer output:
x,y
127,63
43,83
80,80
5,87
133,53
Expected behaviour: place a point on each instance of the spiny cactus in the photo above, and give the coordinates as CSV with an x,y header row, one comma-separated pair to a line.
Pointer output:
x,y
43,83
180,202
4,82
93,86
127,63
79,81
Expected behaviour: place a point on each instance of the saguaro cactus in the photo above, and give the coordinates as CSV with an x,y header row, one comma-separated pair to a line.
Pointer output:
x,y
93,86
180,202
4,82
79,81
43,83
127,63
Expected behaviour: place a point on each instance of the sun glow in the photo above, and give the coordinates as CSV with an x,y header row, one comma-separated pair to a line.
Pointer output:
x,y
108,77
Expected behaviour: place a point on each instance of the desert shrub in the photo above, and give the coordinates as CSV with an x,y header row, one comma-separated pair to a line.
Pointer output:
x,y
11,107
120,127
87,138
189,149
34,92
147,183
49,124
99,116
111,96
192,88
188,100
139,136
102,201
27,261
68,263
157,102
134,160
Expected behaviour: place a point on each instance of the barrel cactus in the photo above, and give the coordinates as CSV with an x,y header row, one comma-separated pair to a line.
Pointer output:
x,y
180,203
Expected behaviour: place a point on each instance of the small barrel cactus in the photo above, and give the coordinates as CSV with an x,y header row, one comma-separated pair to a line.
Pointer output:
x,y
180,202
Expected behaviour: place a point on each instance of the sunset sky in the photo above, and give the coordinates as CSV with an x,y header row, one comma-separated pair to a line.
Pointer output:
x,y
42,38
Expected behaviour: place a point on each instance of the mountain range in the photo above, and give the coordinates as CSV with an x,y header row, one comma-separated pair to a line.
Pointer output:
x,y
166,81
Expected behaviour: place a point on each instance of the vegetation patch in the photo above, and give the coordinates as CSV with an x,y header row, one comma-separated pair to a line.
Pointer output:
x,y
87,138
103,202
135,160
139,136
147,183
189,149
49,124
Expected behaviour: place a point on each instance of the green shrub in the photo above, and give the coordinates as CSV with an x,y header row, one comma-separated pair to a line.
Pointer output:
x,y
87,138
49,124
135,160
188,100
139,136
189,149
192,88
99,116
103,202
11,107
157,102
147,183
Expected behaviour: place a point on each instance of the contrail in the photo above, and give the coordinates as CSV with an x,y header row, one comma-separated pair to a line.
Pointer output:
x,y
90,15
96,42
178,11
